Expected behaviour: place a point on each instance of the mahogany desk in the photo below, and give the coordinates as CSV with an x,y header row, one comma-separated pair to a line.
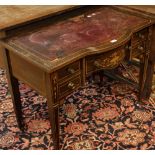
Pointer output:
x,y
149,12
55,58
14,16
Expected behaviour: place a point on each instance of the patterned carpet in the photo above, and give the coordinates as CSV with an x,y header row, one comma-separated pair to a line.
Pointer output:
x,y
105,116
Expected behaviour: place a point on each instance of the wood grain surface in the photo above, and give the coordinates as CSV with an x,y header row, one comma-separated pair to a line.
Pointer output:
x,y
144,8
17,14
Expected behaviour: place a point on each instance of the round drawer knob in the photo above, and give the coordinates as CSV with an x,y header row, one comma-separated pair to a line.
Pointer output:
x,y
141,48
141,36
71,70
71,85
128,47
97,64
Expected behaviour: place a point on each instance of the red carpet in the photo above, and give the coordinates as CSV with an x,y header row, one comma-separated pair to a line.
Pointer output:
x,y
99,116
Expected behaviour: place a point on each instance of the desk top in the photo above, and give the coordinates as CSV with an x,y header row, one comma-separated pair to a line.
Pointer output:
x,y
88,33
18,14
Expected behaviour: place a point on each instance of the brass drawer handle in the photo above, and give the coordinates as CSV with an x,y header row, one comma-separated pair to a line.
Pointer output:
x,y
97,64
71,85
141,48
71,70
128,47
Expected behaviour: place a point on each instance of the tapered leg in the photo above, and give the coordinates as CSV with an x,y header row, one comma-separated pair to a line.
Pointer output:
x,y
54,121
151,63
149,79
143,75
14,90
55,127
53,112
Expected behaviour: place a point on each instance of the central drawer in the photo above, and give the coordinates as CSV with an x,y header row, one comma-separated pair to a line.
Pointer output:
x,y
108,60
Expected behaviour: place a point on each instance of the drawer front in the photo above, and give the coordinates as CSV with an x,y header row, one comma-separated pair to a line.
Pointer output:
x,y
107,60
138,49
68,70
140,36
66,88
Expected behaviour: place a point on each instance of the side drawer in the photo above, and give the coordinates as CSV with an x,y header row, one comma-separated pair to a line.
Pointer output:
x,y
68,71
138,49
66,88
140,36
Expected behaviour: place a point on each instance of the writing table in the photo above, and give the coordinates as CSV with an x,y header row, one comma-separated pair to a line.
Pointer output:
x,y
56,57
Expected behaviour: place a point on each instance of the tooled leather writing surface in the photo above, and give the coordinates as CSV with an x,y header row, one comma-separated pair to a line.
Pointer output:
x,y
59,40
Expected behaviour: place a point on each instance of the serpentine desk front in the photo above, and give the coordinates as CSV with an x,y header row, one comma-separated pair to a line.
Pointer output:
x,y
55,58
